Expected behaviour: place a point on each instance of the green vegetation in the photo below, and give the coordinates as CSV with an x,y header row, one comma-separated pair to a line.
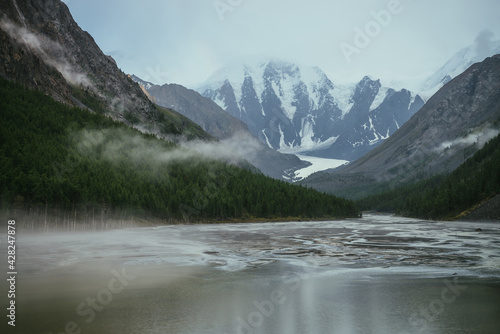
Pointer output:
x,y
169,121
445,196
89,99
70,160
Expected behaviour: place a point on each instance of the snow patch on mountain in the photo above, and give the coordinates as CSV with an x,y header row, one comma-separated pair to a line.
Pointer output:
x,y
220,102
382,93
308,146
342,96
311,76
265,136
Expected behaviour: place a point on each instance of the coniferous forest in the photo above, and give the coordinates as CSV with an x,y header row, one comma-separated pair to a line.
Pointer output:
x,y
445,196
71,160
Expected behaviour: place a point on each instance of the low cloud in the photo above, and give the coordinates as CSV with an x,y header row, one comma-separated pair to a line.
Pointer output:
x,y
483,43
51,52
122,146
241,146
477,137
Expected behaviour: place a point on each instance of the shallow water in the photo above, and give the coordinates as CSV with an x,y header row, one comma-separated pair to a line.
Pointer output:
x,y
379,274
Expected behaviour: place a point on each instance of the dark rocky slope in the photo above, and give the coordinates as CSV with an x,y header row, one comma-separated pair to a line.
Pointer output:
x,y
43,48
487,211
451,127
197,108
220,124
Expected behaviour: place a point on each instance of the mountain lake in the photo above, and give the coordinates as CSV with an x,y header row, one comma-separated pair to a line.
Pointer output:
x,y
376,274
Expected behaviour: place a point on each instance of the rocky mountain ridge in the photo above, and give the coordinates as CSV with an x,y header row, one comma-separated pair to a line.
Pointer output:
x,y
451,127
298,109
197,108
43,48
459,63
223,126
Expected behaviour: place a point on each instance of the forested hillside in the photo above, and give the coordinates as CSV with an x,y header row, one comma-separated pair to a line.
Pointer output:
x,y
70,160
445,196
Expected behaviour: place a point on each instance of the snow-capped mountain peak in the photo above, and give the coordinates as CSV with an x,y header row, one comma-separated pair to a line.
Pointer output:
x,y
295,108
457,64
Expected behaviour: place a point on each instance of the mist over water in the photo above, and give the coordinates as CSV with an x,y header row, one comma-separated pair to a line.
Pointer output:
x,y
378,274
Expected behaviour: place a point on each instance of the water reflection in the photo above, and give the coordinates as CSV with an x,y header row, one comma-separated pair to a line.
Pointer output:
x,y
360,276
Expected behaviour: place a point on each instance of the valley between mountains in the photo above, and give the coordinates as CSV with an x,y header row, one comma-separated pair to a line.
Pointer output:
x,y
274,197
287,121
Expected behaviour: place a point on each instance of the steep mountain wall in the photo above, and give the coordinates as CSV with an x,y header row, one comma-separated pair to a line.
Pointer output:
x,y
453,124
43,48
224,126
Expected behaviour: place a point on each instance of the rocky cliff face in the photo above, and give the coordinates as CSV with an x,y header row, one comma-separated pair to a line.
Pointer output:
x,y
450,128
42,47
222,125
295,108
197,108
369,122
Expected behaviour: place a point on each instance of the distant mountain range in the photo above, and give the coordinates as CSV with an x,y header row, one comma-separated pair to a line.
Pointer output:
x,y
44,49
94,158
224,126
289,107
390,136
297,109
451,127
197,108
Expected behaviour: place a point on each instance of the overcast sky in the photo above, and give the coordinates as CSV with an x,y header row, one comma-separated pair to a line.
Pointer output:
x,y
185,41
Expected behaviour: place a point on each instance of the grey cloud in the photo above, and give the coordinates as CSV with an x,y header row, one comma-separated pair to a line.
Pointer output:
x,y
479,137
484,43
119,145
